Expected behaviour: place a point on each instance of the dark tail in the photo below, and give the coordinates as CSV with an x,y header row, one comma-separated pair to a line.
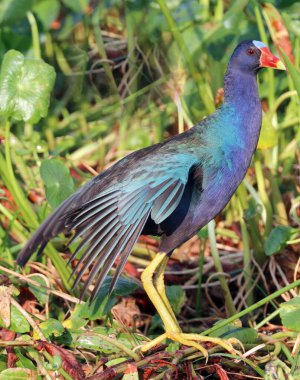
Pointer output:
x,y
61,219
52,226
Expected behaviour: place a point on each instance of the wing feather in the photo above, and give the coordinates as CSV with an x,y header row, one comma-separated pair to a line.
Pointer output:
x,y
95,240
88,212
102,251
167,202
124,255
106,258
123,248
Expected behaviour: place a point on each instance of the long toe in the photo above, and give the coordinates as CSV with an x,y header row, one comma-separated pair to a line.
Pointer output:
x,y
226,344
187,341
196,341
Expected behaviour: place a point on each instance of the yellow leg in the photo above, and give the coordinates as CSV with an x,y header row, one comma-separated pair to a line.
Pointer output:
x,y
159,284
153,282
155,295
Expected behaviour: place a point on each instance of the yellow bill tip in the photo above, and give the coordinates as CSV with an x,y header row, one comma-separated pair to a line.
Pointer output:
x,y
280,65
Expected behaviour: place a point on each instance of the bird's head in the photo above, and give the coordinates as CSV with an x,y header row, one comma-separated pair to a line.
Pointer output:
x,y
253,55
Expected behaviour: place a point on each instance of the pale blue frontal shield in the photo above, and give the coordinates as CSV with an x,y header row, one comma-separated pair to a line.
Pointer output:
x,y
259,44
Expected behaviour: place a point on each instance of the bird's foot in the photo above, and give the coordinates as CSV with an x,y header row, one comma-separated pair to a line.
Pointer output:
x,y
193,340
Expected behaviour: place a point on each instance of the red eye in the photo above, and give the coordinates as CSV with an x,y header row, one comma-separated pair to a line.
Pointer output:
x,y
250,51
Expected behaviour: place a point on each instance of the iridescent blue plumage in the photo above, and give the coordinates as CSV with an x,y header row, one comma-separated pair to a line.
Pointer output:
x,y
171,189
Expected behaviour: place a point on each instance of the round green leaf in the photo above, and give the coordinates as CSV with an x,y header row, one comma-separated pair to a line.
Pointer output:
x,y
58,182
25,86
47,11
278,238
290,314
12,10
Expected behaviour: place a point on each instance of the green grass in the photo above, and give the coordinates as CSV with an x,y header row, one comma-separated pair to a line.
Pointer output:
x,y
128,75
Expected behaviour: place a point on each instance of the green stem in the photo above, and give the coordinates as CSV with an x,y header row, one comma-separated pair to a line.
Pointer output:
x,y
252,223
269,73
279,100
205,9
219,10
224,232
263,195
295,369
9,179
62,372
35,35
179,114
102,52
208,102
242,196
13,185
253,307
18,228
277,200
267,319
289,123
200,275
218,265
177,36
132,59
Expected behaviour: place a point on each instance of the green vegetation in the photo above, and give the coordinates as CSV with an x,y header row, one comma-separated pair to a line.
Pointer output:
x,y
82,84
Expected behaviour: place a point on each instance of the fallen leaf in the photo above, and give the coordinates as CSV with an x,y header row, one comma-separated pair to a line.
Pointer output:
x,y
131,373
5,305
69,363
127,312
8,335
221,372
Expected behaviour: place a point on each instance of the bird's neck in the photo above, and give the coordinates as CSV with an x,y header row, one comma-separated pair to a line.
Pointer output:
x,y
241,97
240,88
234,130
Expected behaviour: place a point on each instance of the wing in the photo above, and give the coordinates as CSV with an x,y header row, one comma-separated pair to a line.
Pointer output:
x,y
111,222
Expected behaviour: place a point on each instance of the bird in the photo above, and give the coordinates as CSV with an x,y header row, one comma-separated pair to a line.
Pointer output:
x,y
171,189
